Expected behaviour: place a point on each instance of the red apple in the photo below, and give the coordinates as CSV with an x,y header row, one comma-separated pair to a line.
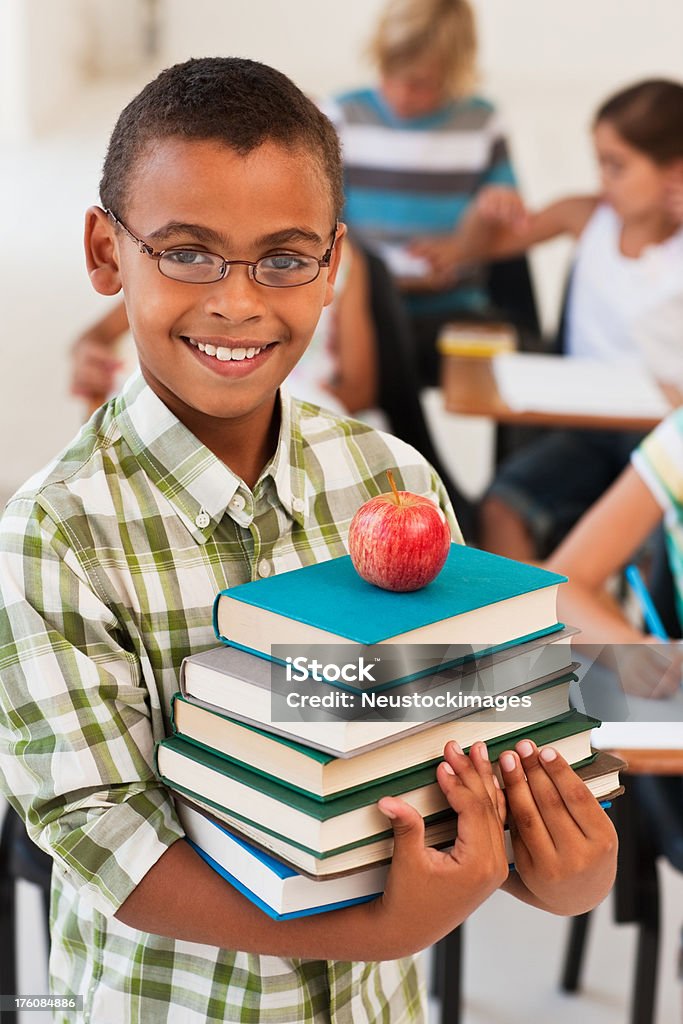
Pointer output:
x,y
398,540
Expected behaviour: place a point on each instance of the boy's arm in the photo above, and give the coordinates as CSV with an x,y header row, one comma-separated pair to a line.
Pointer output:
x,y
451,884
493,229
94,360
355,346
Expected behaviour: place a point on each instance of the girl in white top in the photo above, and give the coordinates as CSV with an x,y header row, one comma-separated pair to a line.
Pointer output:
x,y
625,301
629,258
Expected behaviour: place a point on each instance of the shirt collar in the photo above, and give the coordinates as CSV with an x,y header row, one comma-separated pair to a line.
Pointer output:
x,y
189,475
286,468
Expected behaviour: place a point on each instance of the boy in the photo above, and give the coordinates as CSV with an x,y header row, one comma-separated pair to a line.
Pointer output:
x,y
201,475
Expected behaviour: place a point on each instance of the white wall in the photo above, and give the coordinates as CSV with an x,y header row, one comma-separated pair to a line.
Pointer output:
x,y
546,64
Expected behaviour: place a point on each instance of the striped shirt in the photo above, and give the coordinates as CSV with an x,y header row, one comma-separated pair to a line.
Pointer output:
x,y
109,563
416,176
659,462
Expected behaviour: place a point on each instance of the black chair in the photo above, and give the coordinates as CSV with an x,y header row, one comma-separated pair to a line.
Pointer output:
x,y
398,390
20,859
649,819
512,294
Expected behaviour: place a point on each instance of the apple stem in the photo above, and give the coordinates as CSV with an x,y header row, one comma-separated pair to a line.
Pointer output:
x,y
397,496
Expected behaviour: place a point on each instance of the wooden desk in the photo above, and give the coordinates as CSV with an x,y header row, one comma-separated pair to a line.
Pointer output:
x,y
652,762
469,389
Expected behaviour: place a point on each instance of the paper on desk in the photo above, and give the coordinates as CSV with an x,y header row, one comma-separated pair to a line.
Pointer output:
x,y
639,736
528,382
401,262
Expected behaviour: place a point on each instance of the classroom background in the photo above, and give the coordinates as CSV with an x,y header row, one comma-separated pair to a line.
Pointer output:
x,y
67,68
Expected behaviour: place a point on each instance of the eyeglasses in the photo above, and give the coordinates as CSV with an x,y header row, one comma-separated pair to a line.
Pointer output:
x,y
194,266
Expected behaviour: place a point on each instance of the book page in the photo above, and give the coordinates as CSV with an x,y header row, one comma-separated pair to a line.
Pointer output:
x,y
528,382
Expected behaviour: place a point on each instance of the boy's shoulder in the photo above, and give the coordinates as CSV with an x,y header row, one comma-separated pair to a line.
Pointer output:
x,y
343,445
81,457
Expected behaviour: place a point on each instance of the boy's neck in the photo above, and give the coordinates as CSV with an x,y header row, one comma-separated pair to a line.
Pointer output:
x,y
245,447
244,444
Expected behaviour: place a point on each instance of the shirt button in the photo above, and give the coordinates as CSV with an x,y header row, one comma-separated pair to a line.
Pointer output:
x,y
298,504
202,519
264,568
236,503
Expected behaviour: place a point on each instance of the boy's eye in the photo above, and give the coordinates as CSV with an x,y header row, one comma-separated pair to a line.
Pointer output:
x,y
189,257
283,261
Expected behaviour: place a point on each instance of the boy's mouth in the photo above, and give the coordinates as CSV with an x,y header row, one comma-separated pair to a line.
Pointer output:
x,y
227,354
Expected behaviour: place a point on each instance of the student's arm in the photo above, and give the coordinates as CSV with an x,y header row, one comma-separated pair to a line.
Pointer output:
x,y
599,545
428,892
497,227
94,361
355,346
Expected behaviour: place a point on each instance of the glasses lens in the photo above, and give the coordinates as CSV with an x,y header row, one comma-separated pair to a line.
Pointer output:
x,y
191,265
286,270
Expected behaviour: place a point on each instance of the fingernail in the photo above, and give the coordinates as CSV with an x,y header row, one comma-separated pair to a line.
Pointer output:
x,y
484,752
448,768
507,762
525,749
456,746
388,813
548,754
496,783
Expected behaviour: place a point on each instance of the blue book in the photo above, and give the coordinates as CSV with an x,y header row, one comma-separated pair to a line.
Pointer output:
x,y
479,603
276,888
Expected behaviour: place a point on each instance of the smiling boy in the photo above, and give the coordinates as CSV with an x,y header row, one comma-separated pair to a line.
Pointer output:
x,y
220,193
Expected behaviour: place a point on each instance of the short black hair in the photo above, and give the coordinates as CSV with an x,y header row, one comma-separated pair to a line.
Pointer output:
x,y
238,102
649,117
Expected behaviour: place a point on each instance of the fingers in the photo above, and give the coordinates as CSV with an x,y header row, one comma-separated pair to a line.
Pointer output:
x,y
547,800
408,826
468,786
526,821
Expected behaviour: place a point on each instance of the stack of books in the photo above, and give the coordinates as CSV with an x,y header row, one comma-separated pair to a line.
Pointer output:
x,y
286,810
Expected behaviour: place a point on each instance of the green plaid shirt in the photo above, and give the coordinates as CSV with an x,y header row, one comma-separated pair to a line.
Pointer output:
x,y
108,571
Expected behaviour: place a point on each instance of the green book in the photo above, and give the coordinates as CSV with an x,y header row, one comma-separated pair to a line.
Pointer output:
x,y
320,826
324,776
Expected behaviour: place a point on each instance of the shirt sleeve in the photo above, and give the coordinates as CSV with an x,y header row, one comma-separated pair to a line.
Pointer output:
x,y
499,170
76,740
659,462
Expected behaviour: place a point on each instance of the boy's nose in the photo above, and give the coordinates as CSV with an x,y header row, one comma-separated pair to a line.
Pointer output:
x,y
236,297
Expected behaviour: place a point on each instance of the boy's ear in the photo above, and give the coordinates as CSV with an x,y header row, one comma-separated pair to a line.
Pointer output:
x,y
101,252
334,263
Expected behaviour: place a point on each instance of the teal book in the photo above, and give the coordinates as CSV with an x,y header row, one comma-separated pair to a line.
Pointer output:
x,y
478,603
353,816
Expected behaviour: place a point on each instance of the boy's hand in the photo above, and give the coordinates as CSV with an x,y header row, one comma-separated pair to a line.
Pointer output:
x,y
500,204
565,845
94,365
429,892
443,255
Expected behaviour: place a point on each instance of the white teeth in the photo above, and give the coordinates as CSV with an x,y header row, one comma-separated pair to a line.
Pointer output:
x,y
226,354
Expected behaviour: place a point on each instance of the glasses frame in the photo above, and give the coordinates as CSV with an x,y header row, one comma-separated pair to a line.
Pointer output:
x,y
147,250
